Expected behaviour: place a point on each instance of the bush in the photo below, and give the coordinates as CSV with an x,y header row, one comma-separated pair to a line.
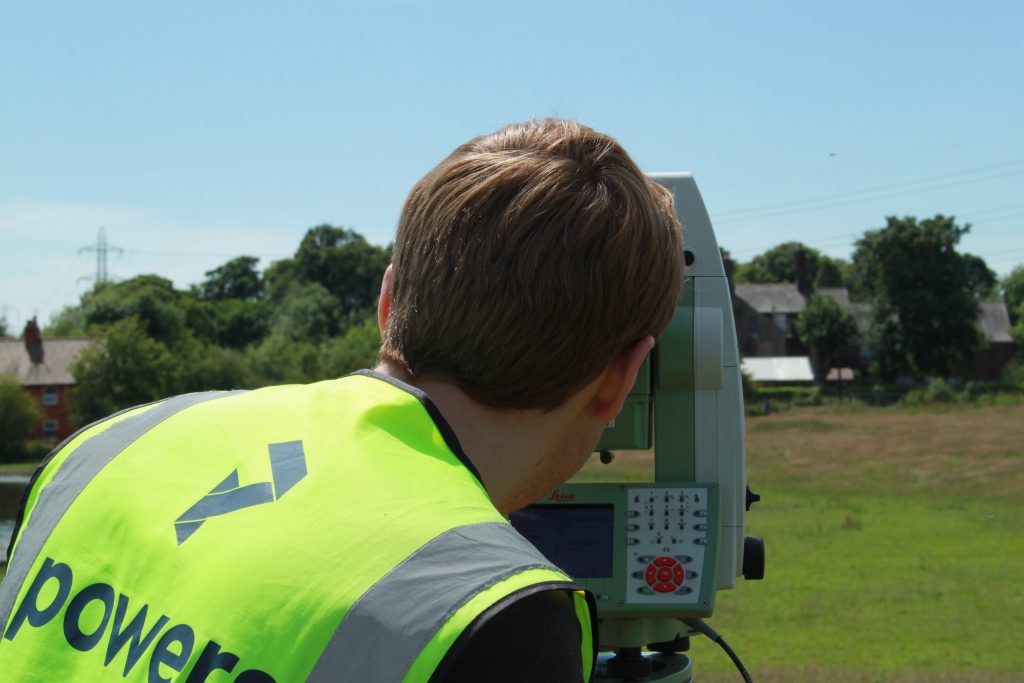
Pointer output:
x,y
937,391
1013,373
36,450
18,413
813,397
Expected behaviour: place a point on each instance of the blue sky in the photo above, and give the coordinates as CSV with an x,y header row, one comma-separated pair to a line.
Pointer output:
x,y
194,132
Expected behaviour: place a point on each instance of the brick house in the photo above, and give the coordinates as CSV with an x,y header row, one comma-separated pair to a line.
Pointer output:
x,y
42,368
766,316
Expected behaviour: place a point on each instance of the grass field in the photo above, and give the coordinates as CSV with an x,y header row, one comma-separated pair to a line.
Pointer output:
x,y
895,548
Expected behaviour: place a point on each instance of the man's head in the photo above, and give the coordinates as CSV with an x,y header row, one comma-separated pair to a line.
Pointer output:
x,y
527,262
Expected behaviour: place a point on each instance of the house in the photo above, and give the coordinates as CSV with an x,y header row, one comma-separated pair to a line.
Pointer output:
x,y
42,367
998,347
766,316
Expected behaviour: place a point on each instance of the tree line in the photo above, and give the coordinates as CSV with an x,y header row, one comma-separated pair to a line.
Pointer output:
x,y
313,316
922,297
302,319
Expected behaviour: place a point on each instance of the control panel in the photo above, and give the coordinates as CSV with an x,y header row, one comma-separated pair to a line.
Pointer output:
x,y
666,536
642,549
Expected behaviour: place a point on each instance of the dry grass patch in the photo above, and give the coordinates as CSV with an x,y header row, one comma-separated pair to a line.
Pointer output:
x,y
969,450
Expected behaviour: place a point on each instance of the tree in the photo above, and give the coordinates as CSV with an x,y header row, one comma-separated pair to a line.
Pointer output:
x,y
236,279
122,368
152,299
18,413
1012,287
981,280
4,332
235,323
341,260
778,264
70,322
306,311
354,350
825,328
922,293
281,360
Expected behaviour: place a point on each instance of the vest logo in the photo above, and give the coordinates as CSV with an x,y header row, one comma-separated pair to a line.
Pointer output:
x,y
561,495
170,648
287,468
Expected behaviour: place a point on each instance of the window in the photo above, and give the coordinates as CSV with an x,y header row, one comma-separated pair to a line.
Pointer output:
x,y
50,396
51,430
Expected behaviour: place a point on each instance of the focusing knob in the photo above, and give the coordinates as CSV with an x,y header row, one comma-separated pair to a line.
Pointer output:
x,y
753,558
751,498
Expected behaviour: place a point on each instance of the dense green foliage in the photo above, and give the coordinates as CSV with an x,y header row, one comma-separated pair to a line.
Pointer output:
x,y
924,295
305,318
18,413
825,328
1012,288
311,316
778,264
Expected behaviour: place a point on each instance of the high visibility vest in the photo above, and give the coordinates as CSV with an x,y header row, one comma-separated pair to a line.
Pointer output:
x,y
328,532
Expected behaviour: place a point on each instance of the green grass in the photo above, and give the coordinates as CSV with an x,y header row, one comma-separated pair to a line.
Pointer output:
x,y
895,548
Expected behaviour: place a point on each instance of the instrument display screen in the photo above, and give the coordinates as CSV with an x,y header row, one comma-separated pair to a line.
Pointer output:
x,y
576,537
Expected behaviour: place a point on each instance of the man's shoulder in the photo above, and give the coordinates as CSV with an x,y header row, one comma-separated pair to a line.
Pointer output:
x,y
534,638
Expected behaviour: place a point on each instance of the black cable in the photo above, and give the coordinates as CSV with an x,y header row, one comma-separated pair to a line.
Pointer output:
x,y
701,627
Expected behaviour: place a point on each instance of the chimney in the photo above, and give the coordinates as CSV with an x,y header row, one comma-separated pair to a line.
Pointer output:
x,y
803,283
33,342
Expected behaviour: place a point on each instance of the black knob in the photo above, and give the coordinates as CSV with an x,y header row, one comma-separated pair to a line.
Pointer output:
x,y
753,558
751,498
606,457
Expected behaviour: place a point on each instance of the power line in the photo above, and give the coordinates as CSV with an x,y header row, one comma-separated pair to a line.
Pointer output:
x,y
996,209
1000,219
768,212
197,254
63,280
877,188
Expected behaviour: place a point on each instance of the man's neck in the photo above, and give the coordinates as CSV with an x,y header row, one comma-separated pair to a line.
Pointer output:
x,y
512,449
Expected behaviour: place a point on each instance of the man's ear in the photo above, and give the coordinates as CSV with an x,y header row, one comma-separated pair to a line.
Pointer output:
x,y
616,381
384,304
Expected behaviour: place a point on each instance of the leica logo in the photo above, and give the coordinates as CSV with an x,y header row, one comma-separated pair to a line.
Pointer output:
x,y
561,495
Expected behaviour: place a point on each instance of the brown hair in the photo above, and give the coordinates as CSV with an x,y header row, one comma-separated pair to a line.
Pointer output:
x,y
527,261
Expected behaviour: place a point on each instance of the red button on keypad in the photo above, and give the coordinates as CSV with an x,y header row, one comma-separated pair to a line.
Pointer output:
x,y
664,587
665,574
679,574
665,561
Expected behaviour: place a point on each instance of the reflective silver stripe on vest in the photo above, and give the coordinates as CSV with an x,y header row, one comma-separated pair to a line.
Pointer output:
x,y
389,625
73,476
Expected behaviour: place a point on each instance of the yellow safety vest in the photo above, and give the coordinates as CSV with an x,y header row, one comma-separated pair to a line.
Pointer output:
x,y
328,532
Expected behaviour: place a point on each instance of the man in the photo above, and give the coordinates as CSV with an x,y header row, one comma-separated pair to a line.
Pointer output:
x,y
353,529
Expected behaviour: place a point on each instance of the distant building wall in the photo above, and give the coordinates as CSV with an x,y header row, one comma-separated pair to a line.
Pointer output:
x,y
56,424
